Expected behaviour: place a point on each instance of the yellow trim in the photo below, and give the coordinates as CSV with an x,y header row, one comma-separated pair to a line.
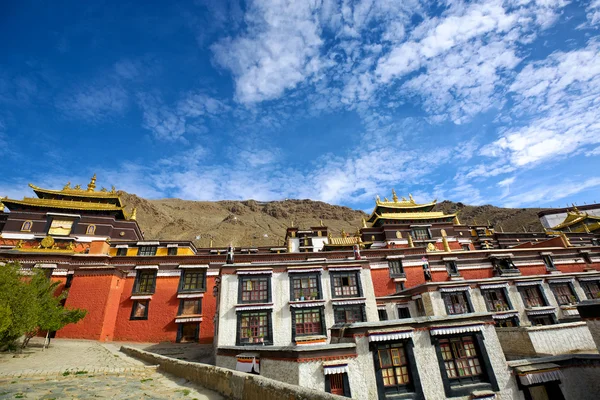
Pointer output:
x,y
80,193
70,204
416,216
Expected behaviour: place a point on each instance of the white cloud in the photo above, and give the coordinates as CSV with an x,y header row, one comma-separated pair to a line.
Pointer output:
x,y
593,12
94,102
547,193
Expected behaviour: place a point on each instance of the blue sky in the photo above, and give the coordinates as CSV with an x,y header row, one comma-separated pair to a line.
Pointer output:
x,y
480,102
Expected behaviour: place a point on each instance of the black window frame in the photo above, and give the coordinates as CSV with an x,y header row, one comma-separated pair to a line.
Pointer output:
x,y
399,286
503,322
320,310
172,251
314,275
454,387
198,306
345,382
184,276
382,314
425,233
411,390
139,277
403,312
180,332
546,319
396,268
467,302
121,251
523,289
342,274
132,317
452,268
505,265
585,285
420,306
349,307
488,301
261,277
147,251
549,262
554,286
267,340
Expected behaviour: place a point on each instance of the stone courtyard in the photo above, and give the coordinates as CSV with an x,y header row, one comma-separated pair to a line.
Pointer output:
x,y
81,369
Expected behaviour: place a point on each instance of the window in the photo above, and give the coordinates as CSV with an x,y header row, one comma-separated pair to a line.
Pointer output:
x,y
466,247
91,230
26,227
461,360
172,251
122,251
504,265
421,233
396,269
308,321
456,302
532,296
452,268
420,307
188,333
192,280
305,287
403,312
147,251
140,309
60,227
591,289
399,286
345,284
190,307
392,369
495,299
549,262
382,314
337,384
595,242
348,314
541,319
563,293
507,322
145,281
255,289
254,327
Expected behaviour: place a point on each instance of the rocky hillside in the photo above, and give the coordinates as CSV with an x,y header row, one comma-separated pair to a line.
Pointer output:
x,y
263,223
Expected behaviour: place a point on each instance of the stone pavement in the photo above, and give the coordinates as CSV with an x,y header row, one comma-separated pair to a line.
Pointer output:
x,y
82,369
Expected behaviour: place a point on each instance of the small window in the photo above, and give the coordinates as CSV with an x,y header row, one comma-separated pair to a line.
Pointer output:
x,y
190,307
541,319
172,251
399,286
461,360
393,369
591,289
396,269
420,307
452,268
345,284
140,309
147,251
403,312
308,321
188,333
456,303
382,314
254,327
337,384
255,289
549,262
504,264
122,251
495,300
421,233
192,280
91,230
145,281
532,296
305,287
466,247
26,227
595,242
507,322
348,314
563,293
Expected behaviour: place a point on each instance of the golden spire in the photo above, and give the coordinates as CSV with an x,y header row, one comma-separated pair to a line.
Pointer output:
x,y
386,199
210,244
2,206
113,190
394,197
364,223
133,215
446,244
377,199
410,241
67,186
321,223
344,233
92,184
411,198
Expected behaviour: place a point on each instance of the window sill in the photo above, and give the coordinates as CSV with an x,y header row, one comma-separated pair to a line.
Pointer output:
x,y
304,303
458,390
141,296
310,340
253,306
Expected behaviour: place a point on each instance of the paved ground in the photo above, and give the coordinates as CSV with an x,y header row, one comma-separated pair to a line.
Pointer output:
x,y
81,369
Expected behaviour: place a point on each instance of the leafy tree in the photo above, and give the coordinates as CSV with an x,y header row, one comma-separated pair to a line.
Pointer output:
x,y
30,305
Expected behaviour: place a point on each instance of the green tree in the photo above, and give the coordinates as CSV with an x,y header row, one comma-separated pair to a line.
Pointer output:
x,y
29,305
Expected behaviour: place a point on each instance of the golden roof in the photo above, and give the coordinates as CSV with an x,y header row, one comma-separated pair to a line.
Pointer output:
x,y
574,217
403,203
413,216
77,191
344,241
68,204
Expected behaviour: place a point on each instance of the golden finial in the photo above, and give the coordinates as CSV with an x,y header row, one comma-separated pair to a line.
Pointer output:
x,y
443,232
404,198
1,205
377,199
343,233
446,244
411,198
394,197
210,245
92,184
103,189
321,223
364,222
67,186
410,241
357,234
77,187
113,190
575,209
133,215
386,200
329,236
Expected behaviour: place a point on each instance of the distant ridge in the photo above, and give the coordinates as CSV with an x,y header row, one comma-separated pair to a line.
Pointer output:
x,y
245,223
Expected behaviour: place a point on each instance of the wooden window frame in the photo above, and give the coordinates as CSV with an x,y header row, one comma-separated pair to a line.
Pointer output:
x,y
525,290
299,277
382,312
242,279
321,323
133,309
450,308
142,277
452,268
405,311
412,389
241,336
396,269
182,306
121,251
421,233
586,286
172,251
549,262
187,273
489,303
180,332
345,274
557,288
355,308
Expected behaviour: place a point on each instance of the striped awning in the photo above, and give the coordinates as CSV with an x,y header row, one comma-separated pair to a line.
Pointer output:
x,y
563,280
528,283
451,330
193,266
146,267
454,289
540,373
494,286
190,295
246,362
387,336
255,272
589,279
42,265
307,304
335,369
304,270
348,302
249,307
335,269
505,315
184,320
542,311
172,245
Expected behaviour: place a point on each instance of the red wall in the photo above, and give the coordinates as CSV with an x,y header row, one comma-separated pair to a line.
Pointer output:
x,y
209,310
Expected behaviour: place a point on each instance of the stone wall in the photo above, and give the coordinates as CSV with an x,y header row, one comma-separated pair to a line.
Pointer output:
x,y
231,384
581,382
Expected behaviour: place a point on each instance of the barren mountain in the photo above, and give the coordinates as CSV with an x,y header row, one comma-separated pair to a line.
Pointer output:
x,y
256,223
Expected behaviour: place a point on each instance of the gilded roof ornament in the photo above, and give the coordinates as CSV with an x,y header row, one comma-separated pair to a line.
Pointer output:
x,y
133,215
113,190
394,196
364,223
411,198
92,185
321,223
410,241
77,187
456,220
67,186
386,200
446,244
344,233
104,190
